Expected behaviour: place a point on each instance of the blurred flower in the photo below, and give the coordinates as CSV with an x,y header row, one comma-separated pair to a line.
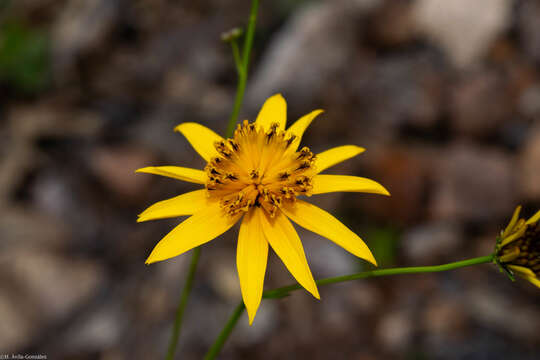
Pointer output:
x,y
257,175
518,247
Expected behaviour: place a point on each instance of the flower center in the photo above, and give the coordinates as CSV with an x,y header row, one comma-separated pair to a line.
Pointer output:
x,y
258,168
525,251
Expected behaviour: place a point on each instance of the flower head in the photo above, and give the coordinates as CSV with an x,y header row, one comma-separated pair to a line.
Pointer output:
x,y
256,177
518,247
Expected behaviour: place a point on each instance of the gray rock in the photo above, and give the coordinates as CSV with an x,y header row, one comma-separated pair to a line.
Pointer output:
x,y
473,184
320,35
498,311
529,169
529,27
464,29
81,27
395,330
425,243
479,103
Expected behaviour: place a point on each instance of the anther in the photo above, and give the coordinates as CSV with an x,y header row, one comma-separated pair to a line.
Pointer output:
x,y
254,174
290,140
284,176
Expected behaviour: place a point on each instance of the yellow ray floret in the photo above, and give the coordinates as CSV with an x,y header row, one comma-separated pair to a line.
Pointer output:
x,y
256,176
518,248
177,172
273,111
201,138
185,204
336,155
251,257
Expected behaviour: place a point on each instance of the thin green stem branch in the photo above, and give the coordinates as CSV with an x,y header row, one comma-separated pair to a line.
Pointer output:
x,y
236,55
182,304
224,335
243,74
285,290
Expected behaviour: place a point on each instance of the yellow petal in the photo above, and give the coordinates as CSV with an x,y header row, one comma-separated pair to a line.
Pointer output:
x,y
201,138
185,204
534,218
332,183
522,271
196,230
176,172
516,234
512,222
300,126
535,281
321,222
274,110
336,155
251,258
285,241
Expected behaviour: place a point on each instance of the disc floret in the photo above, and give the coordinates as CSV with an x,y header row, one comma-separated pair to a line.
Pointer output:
x,y
259,168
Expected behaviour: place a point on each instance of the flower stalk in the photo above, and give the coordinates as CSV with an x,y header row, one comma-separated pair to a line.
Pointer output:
x,y
241,64
286,290
182,304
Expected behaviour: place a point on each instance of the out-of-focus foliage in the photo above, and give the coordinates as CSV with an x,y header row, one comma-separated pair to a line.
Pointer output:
x,y
24,57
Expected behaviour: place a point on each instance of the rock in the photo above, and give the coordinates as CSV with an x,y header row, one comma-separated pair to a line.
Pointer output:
x,y
392,24
464,29
444,317
473,184
24,228
96,331
50,119
81,27
326,258
499,311
320,35
529,27
479,104
395,330
425,243
115,167
404,172
400,90
529,171
18,323
529,102
52,290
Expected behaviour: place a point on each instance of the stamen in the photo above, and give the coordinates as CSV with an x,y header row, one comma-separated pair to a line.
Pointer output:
x,y
254,169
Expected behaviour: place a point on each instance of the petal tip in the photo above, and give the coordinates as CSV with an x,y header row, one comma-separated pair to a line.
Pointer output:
x,y
143,170
384,191
181,127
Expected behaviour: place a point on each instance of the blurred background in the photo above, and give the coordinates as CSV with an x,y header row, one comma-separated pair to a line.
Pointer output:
x,y
445,96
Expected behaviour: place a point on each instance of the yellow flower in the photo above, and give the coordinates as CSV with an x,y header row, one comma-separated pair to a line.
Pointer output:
x,y
518,248
257,176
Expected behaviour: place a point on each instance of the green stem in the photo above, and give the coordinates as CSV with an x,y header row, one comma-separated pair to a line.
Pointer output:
x,y
236,55
242,70
229,326
182,304
285,290
242,74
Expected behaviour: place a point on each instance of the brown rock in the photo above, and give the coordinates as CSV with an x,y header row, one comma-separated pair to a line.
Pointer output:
x,y
529,171
116,166
479,104
473,184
